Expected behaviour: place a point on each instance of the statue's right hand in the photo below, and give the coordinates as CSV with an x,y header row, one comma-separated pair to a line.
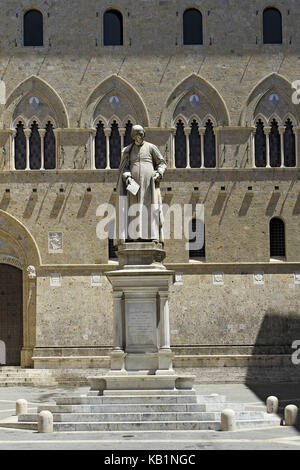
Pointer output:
x,y
128,180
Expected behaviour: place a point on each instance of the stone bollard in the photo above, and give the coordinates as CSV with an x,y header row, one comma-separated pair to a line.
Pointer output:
x,y
290,415
272,404
228,420
45,421
21,407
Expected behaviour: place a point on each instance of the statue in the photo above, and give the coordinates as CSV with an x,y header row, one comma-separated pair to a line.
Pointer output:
x,y
139,211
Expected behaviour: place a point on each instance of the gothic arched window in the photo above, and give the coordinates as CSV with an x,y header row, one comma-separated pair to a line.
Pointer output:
x,y
20,147
272,26
49,148
100,147
112,28
277,237
196,252
195,146
180,146
209,146
289,145
275,151
33,28
114,146
192,27
260,145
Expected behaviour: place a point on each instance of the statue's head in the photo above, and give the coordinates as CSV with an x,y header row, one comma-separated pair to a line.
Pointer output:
x,y
138,134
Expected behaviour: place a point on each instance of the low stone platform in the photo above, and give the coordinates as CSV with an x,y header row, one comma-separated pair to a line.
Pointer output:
x,y
142,410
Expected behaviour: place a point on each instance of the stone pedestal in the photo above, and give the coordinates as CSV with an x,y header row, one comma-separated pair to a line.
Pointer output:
x,y
142,357
141,312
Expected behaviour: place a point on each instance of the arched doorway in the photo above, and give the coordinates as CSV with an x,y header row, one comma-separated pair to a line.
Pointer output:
x,y
11,313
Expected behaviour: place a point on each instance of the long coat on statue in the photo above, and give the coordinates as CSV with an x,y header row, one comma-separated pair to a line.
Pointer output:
x,y
140,163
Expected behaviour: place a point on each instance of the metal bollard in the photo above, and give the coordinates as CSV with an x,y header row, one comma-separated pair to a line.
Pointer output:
x,y
228,422
45,421
272,404
21,407
290,415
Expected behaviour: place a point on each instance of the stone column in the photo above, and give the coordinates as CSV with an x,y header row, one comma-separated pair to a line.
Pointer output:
x,y
92,142
107,132
12,143
253,132
173,133
122,131
281,132
201,133
118,321
164,320
267,131
187,131
27,133
296,132
42,133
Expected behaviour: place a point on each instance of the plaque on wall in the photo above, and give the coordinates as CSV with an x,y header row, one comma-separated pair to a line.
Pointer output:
x,y
140,325
55,280
55,244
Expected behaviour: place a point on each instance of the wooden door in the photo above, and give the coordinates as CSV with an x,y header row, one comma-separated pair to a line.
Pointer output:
x,y
11,314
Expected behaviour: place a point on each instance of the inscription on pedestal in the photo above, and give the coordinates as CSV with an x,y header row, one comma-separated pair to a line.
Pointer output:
x,y
140,325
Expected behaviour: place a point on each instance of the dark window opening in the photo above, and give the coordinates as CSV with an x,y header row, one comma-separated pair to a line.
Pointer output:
x,y
113,28
127,137
209,146
192,27
49,148
194,227
277,237
20,148
260,145
100,147
180,146
35,148
33,28
272,26
289,145
195,146
275,150
114,146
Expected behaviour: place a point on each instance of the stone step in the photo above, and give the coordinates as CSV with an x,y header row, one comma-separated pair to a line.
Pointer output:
x,y
141,408
111,400
146,426
142,417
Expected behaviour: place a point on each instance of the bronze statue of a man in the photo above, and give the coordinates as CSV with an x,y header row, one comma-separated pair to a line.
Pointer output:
x,y
139,214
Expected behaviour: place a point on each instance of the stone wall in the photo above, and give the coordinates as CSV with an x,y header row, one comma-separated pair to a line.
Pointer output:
x,y
73,74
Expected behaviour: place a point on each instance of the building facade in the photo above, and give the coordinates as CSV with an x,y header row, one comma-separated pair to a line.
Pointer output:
x,y
215,88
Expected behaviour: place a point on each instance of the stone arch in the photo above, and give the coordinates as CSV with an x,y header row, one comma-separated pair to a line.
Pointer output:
x,y
36,86
115,84
19,249
195,84
272,83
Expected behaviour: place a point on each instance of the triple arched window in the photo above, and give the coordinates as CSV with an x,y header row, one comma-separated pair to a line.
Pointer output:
x,y
109,142
34,148
275,145
195,146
